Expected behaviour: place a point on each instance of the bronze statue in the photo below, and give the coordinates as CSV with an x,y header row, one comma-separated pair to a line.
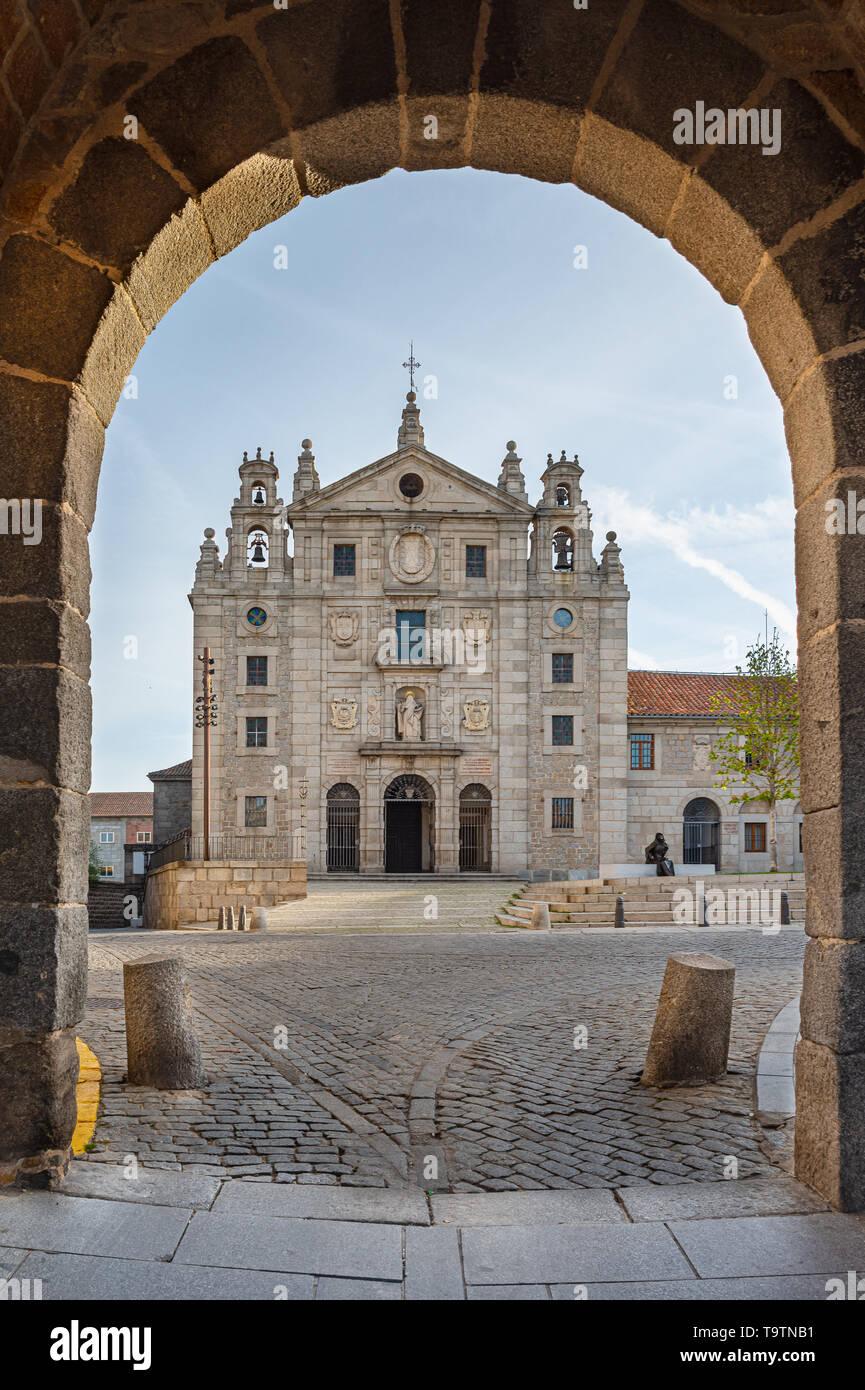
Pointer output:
x,y
656,853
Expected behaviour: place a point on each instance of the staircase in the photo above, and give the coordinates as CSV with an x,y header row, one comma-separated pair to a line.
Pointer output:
x,y
105,905
650,902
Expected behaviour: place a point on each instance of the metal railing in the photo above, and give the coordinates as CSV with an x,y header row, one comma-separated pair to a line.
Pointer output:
x,y
271,848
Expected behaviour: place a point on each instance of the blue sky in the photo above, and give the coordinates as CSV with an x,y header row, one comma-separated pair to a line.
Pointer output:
x,y
626,361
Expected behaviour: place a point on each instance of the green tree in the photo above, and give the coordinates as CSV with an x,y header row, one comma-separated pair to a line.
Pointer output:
x,y
94,864
760,748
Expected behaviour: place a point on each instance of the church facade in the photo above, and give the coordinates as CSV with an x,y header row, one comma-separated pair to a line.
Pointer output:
x,y
418,671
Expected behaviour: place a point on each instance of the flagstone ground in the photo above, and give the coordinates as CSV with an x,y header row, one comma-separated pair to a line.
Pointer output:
x,y
347,1057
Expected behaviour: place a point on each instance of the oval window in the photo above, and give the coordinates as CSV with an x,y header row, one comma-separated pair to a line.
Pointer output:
x,y
256,617
563,617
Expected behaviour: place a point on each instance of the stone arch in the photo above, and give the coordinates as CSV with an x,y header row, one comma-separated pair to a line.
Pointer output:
x,y
141,145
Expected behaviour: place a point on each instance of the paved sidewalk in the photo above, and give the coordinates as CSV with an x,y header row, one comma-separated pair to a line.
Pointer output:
x,y
171,1236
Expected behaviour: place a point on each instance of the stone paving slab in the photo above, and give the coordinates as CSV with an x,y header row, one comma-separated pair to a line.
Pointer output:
x,y
358,1290
407,1207
9,1261
433,1269
243,1241
527,1208
743,1197
828,1243
792,1288
581,1254
522,1293
91,1226
85,1277
151,1185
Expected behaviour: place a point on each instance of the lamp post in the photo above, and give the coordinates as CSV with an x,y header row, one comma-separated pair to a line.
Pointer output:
x,y
205,718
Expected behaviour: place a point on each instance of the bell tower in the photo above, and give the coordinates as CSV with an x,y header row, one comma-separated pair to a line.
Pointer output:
x,y
561,539
256,537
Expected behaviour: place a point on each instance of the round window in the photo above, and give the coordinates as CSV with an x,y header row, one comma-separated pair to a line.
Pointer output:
x,y
411,485
563,617
256,617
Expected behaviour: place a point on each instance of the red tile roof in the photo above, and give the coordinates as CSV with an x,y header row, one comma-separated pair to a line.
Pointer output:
x,y
676,694
179,770
121,804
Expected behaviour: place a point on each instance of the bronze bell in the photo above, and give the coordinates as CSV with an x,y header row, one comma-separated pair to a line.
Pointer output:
x,y
259,499
258,553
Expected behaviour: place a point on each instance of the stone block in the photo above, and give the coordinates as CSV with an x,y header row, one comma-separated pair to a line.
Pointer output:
x,y
51,306
691,1035
247,198
43,967
116,344
829,1150
50,443
38,1075
118,202
161,1043
833,994
57,568
44,837
824,426
46,727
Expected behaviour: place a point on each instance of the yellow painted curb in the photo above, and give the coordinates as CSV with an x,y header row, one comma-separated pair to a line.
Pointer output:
x,y
87,1095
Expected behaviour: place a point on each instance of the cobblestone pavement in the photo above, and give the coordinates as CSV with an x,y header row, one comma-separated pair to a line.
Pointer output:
x,y
349,1058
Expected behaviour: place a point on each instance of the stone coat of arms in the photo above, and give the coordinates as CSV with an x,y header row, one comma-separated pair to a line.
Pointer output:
x,y
476,624
343,628
477,715
343,714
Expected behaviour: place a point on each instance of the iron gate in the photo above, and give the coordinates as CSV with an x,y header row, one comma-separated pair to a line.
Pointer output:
x,y
700,832
475,829
343,829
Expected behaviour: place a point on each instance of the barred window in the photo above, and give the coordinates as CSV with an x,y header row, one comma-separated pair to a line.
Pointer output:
x,y
343,559
256,732
476,561
256,811
256,670
755,837
643,751
563,668
563,730
563,813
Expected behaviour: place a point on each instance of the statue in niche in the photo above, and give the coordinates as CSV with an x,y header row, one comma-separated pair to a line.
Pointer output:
x,y
409,716
656,853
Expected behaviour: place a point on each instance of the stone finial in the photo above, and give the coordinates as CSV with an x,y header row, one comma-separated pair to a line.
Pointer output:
x,y
611,563
511,478
411,430
208,561
306,478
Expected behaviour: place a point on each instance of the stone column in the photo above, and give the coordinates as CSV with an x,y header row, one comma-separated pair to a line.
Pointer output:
x,y
830,1059
447,837
44,771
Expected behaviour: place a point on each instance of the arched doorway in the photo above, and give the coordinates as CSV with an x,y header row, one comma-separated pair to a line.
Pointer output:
x,y
242,121
475,829
701,833
409,826
343,829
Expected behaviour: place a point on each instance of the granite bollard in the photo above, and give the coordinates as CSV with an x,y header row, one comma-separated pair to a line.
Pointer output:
x,y
691,1037
540,918
242,923
220,925
259,919
162,1048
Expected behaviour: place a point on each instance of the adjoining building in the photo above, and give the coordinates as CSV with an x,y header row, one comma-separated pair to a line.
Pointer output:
x,y
121,821
418,671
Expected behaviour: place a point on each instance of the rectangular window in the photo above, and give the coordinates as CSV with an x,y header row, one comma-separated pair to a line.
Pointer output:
x,y
256,732
755,837
563,668
411,634
142,837
256,670
563,813
563,730
343,559
106,837
476,562
642,751
255,811
106,870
